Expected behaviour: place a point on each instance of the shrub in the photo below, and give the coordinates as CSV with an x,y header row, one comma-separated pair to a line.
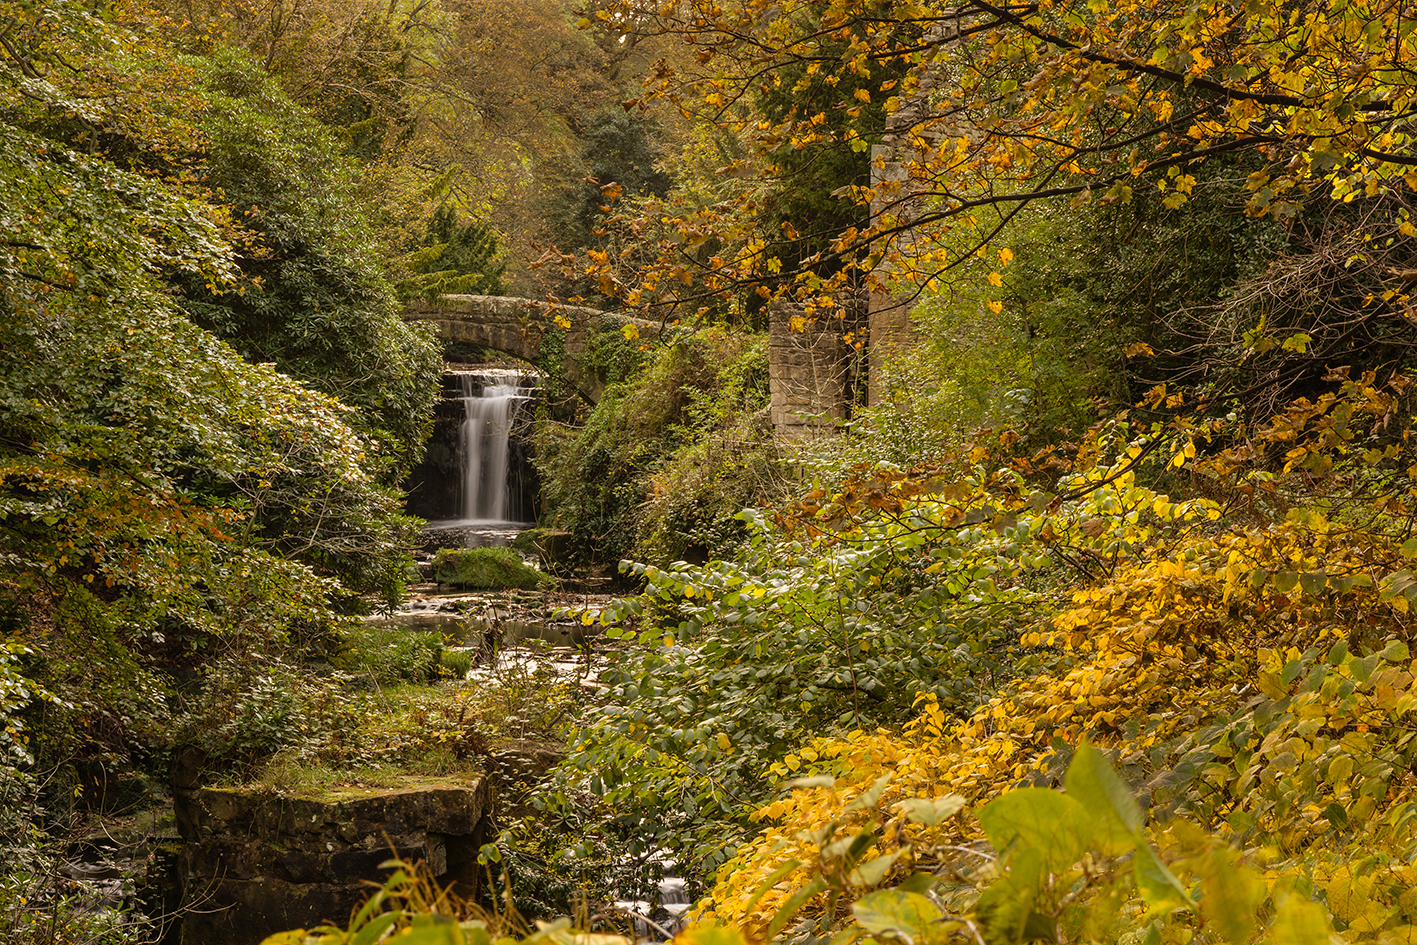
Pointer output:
x,y
391,654
655,472
485,569
455,663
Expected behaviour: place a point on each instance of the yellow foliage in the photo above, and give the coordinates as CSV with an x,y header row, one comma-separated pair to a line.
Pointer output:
x,y
1174,641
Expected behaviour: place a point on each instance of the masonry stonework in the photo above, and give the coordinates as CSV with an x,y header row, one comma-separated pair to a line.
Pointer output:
x,y
816,364
815,367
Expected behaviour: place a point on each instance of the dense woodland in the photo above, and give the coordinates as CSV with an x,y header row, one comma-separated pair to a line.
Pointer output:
x,y
1094,625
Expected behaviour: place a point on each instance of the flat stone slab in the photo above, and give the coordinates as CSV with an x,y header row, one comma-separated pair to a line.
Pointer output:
x,y
257,862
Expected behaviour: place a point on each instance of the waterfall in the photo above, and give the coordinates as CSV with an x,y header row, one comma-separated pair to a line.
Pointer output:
x,y
490,403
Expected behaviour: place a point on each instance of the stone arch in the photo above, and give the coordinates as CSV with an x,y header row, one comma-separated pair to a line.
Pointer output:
x,y
519,327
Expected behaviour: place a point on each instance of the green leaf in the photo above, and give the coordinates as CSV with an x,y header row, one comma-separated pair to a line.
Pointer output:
x,y
892,912
436,935
874,870
1396,652
1093,783
917,882
1340,770
1052,824
1004,908
1159,886
370,933
932,811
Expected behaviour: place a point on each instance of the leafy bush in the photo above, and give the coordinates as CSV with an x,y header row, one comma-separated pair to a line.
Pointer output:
x,y
486,569
665,459
390,654
46,908
317,302
455,663
739,662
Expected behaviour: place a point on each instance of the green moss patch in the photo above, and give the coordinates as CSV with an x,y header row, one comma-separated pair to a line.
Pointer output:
x,y
485,569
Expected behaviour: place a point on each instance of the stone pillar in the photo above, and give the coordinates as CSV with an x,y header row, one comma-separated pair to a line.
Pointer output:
x,y
814,365
896,285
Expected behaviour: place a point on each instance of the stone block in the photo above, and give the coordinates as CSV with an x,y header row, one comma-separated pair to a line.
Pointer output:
x,y
256,863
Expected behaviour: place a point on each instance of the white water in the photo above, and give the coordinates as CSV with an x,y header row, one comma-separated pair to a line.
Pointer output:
x,y
484,447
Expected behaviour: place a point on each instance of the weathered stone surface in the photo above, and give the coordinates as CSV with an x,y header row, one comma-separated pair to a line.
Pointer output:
x,y
814,366
519,326
256,863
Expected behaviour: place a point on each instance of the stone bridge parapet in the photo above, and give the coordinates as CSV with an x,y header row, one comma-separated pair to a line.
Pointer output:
x,y
816,370
519,327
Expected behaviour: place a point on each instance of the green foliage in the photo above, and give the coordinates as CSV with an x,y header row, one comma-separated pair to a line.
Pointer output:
x,y
695,498
741,661
551,860
315,301
151,481
611,355
625,482
42,907
617,147
394,705
390,654
486,569
454,259
163,502
455,663
1094,307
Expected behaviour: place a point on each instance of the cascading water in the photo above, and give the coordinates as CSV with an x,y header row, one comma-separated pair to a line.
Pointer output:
x,y
490,402
475,485
484,446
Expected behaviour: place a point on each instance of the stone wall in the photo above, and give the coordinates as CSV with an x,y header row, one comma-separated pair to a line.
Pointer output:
x,y
817,373
520,326
256,863
815,366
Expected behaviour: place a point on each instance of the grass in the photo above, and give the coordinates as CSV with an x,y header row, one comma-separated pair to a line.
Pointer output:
x,y
378,737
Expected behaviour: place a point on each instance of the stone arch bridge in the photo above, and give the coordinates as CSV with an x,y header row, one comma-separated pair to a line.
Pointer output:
x,y
816,373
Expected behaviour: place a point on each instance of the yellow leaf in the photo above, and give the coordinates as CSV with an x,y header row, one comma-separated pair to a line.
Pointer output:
x,y
996,306
995,279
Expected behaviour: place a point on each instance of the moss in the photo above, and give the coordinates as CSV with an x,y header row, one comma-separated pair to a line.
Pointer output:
x,y
285,780
485,569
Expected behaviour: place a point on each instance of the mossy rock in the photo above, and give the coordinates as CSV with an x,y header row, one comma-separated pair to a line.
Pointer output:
x,y
553,546
485,569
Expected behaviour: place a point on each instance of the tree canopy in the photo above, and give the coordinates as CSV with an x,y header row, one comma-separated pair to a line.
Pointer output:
x,y
986,108
159,494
